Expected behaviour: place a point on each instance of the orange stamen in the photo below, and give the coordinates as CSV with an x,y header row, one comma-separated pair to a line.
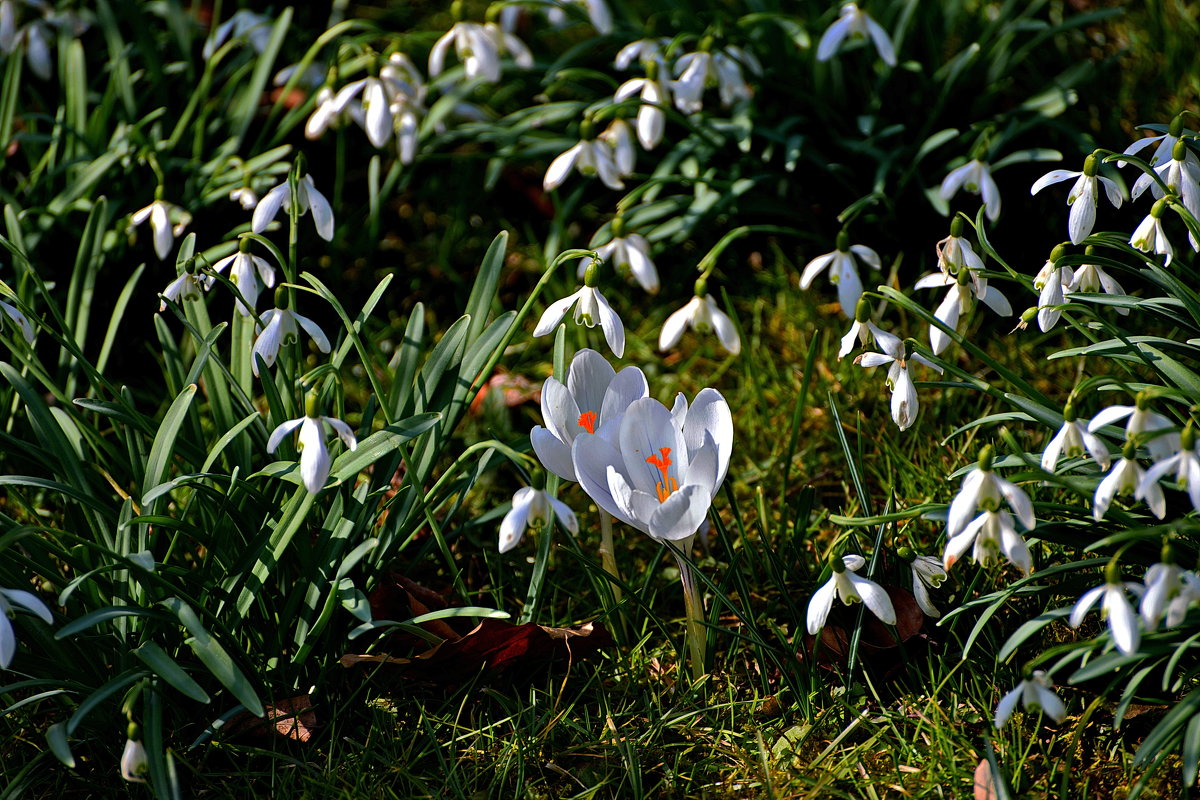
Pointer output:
x,y
587,421
667,485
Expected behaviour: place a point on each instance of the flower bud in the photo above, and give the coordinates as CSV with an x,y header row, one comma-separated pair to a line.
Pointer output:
x,y
906,553
618,227
311,405
1129,449
1160,205
701,288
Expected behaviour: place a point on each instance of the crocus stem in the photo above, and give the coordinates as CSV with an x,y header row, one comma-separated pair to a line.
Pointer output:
x,y
608,555
697,636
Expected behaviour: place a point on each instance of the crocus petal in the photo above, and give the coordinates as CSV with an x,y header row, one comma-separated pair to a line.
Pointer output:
x,y
680,515
554,454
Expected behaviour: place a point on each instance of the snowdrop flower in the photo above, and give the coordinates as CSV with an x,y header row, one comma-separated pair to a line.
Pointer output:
x,y
850,588
1122,621
904,392
593,402
479,48
1166,144
1165,585
1185,464
1149,236
1094,278
375,109
256,27
644,50
531,507
281,326
314,453
1072,440
983,489
1181,171
861,331
993,534
927,573
597,12
589,156
629,253
954,253
854,22
701,314
242,268
1084,196
697,70
842,270
134,764
20,320
1035,693
654,94
167,221
27,601
664,466
307,197
35,35
976,178
965,288
1051,282
1127,478
620,138
590,308
245,196
188,286
1143,423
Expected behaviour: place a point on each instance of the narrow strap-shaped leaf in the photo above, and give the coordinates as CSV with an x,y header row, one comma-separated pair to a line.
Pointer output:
x,y
164,443
166,668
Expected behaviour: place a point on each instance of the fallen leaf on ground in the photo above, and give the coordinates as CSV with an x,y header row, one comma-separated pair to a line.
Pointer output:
x,y
293,718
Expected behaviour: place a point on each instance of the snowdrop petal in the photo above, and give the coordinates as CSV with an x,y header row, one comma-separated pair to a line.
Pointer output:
x,y
833,37
819,607
1007,705
561,166
1121,620
874,597
564,514
512,527
1084,605
278,435
672,330
268,207
313,330
1053,176
813,268
554,314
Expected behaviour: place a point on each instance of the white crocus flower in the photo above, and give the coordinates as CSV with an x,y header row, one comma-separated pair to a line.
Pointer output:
x,y
314,453
588,157
854,22
1142,423
982,488
593,401
1149,236
629,253
842,270
1084,196
1052,282
532,507
20,320
1185,464
701,314
167,221
590,309
1094,278
22,599
655,96
282,326
307,197
904,392
1122,621
1072,440
850,588
242,268
1126,478
664,466
1035,693
976,178
927,573
134,764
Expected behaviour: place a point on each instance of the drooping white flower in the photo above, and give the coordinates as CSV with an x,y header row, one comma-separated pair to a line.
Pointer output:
x,y
1185,464
629,253
588,157
242,269
861,331
188,286
965,287
479,48
643,50
1072,440
1122,621
244,196
1149,236
927,573
255,27
1035,693
531,508
954,253
167,222
590,309
1143,424
663,468
905,405
282,326
983,489
702,68
21,599
655,96
593,401
842,270
135,767
1094,278
1052,282
1165,144
36,34
314,453
854,22
701,314
976,178
597,12
14,314
1125,479
1164,583
851,588
1084,197
307,198
620,137
993,534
